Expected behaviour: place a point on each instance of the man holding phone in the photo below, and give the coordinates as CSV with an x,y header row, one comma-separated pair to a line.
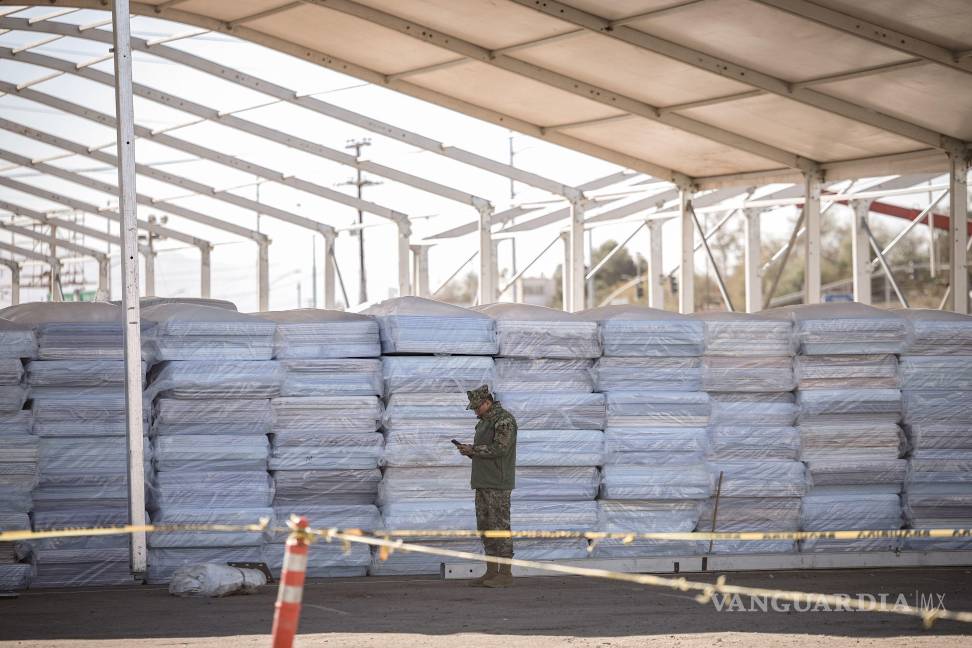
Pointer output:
x,y
493,454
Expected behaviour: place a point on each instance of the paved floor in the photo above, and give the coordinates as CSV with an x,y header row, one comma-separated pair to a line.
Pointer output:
x,y
537,612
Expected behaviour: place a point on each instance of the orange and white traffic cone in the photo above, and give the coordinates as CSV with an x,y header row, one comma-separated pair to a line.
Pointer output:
x,y
287,612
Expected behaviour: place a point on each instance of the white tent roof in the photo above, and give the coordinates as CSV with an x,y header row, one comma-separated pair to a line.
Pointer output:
x,y
701,89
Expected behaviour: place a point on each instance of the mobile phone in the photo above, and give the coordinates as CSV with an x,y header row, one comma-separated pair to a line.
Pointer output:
x,y
456,443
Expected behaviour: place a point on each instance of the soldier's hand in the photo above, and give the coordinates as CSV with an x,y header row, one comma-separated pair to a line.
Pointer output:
x,y
465,449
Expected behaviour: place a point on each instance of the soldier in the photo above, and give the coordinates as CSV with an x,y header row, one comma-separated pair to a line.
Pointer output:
x,y
493,454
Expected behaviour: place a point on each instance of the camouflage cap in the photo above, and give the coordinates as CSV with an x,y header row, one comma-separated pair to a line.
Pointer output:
x,y
478,396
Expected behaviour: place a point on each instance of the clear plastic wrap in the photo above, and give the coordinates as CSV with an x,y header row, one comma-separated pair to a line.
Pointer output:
x,y
17,340
148,302
528,331
641,516
752,514
550,410
198,332
214,416
857,471
16,423
316,333
326,451
419,325
846,328
325,414
333,377
197,516
936,372
937,332
860,440
544,374
849,405
163,562
754,443
875,371
939,436
747,334
215,379
420,411
635,374
226,488
657,409
655,482
533,483
296,490
15,577
326,516
205,452
850,512
85,413
938,406
748,374
435,374
651,446
742,408
12,397
11,371
639,331
95,573
78,373
764,478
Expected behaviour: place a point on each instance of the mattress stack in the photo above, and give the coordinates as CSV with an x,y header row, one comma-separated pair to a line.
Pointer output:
x,y
654,476
316,334
936,385
753,444
419,325
211,416
77,387
425,484
326,559
849,410
18,451
545,378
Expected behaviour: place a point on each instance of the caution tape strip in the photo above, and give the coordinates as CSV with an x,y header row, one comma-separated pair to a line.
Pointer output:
x,y
594,536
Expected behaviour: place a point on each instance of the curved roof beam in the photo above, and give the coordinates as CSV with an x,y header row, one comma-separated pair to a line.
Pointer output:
x,y
589,91
742,74
81,205
330,110
44,219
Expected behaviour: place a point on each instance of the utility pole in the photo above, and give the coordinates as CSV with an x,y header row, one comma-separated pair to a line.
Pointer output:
x,y
512,155
360,183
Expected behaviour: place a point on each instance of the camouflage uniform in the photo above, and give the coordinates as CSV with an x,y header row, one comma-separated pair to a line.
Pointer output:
x,y
493,471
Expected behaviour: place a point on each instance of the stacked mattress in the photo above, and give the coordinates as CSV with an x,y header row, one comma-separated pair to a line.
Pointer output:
x,y
311,333
419,325
936,385
753,445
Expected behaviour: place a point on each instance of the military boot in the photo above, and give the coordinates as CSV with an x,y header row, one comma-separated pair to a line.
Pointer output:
x,y
481,581
503,578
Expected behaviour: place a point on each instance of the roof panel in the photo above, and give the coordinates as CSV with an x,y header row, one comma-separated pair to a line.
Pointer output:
x,y
352,39
945,22
230,11
797,127
933,96
659,143
617,9
628,70
497,89
767,39
490,24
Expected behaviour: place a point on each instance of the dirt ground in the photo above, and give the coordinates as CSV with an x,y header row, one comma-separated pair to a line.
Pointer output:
x,y
537,612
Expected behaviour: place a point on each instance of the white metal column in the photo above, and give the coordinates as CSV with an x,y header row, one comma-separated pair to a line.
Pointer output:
x,y
861,252
487,256
565,275
125,133
958,216
263,275
811,221
330,283
150,274
752,261
14,268
205,271
575,261
404,283
686,271
656,295
420,270
104,281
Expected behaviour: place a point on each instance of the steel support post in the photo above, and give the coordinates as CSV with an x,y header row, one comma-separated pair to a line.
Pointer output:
x,y
487,256
565,275
686,270
14,284
205,271
420,269
125,134
656,296
104,282
811,207
404,283
575,259
263,275
57,292
861,252
150,274
958,215
330,283
752,261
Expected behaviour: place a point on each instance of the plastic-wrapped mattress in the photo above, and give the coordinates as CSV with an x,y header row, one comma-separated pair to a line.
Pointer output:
x,y
848,328
544,374
315,333
435,374
198,332
332,377
555,410
743,334
658,373
418,325
657,409
527,331
639,331
874,371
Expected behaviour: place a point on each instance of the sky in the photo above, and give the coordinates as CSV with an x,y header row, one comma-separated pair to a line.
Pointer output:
x,y
292,252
